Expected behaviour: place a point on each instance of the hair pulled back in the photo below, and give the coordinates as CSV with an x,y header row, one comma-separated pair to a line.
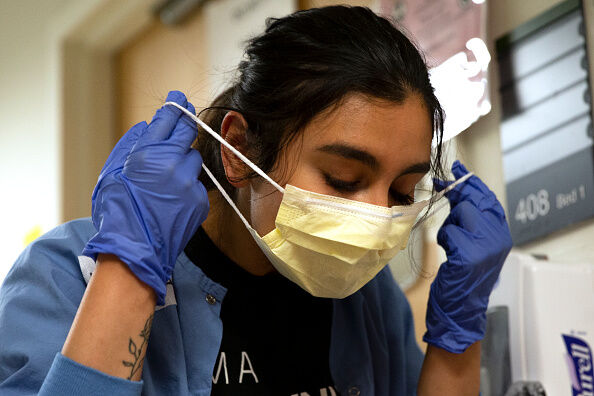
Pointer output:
x,y
305,63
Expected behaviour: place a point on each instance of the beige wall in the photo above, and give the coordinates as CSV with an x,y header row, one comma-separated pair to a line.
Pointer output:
x,y
29,145
31,142
165,58
160,60
56,109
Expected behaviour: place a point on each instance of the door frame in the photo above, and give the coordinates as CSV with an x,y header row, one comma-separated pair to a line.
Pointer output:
x,y
84,40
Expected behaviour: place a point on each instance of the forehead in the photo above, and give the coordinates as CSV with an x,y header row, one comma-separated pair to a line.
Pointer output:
x,y
396,134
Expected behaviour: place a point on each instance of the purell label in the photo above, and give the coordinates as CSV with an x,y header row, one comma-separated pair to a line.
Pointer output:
x,y
579,362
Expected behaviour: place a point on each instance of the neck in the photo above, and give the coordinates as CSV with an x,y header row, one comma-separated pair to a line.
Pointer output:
x,y
229,234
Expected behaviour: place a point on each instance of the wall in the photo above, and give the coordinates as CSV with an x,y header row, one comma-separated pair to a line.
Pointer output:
x,y
160,60
30,140
56,107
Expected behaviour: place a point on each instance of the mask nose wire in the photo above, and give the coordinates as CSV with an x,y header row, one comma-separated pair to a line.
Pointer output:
x,y
229,146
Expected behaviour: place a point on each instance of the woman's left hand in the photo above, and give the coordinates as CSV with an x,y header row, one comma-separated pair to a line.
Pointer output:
x,y
477,240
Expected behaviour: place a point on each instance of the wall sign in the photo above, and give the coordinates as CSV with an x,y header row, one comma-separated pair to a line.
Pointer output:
x,y
546,127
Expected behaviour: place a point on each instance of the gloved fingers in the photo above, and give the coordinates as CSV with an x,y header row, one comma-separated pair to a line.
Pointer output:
x,y
473,190
118,155
476,222
165,118
200,195
484,203
451,238
187,170
480,223
190,107
185,130
494,207
458,169
193,163
476,192
194,189
468,217
185,118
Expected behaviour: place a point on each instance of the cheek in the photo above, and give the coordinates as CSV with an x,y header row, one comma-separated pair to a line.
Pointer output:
x,y
308,176
263,210
266,199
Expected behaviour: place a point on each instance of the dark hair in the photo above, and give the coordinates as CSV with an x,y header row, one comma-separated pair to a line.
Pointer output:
x,y
306,63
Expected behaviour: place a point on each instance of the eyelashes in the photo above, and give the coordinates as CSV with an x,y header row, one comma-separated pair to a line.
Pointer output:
x,y
403,199
344,186
341,185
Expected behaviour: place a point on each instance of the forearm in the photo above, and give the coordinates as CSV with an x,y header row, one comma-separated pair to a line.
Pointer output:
x,y
445,373
111,329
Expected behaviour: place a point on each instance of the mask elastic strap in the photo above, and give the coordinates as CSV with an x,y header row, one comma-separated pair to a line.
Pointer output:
x,y
226,144
440,195
227,197
443,192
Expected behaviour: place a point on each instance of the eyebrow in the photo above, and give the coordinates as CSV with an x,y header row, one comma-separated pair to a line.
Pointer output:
x,y
421,167
351,152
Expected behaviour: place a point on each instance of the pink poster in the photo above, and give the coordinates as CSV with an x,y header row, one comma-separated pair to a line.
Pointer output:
x,y
452,34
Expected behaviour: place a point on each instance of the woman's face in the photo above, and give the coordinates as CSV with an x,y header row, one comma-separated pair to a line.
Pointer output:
x,y
366,150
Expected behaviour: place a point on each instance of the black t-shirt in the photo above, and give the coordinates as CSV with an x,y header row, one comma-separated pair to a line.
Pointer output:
x,y
276,336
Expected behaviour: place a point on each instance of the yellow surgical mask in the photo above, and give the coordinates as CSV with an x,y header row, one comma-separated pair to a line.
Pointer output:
x,y
330,246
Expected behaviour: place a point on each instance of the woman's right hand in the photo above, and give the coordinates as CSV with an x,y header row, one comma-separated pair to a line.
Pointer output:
x,y
148,201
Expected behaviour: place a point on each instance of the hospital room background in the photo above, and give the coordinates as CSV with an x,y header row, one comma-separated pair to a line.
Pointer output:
x,y
514,77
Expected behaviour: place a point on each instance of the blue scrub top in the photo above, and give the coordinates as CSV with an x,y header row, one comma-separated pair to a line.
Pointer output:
x,y
373,350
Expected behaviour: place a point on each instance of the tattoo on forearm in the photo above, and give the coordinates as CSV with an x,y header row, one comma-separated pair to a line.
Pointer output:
x,y
136,351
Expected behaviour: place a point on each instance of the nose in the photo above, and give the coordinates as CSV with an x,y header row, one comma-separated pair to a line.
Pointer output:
x,y
379,195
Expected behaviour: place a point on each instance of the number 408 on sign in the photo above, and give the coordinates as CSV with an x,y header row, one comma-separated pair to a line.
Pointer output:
x,y
537,205
533,206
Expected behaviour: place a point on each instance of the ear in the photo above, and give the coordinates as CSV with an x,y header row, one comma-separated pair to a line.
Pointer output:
x,y
233,130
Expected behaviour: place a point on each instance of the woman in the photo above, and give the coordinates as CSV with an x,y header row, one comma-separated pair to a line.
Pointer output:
x,y
335,108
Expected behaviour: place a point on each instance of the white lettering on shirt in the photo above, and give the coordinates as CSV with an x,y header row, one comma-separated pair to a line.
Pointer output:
x,y
223,363
323,392
248,368
244,358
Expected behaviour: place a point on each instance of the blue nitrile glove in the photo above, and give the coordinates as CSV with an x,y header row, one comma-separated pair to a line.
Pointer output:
x,y
148,201
476,238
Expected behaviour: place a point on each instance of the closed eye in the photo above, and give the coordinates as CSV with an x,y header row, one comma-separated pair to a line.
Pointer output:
x,y
403,199
343,186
